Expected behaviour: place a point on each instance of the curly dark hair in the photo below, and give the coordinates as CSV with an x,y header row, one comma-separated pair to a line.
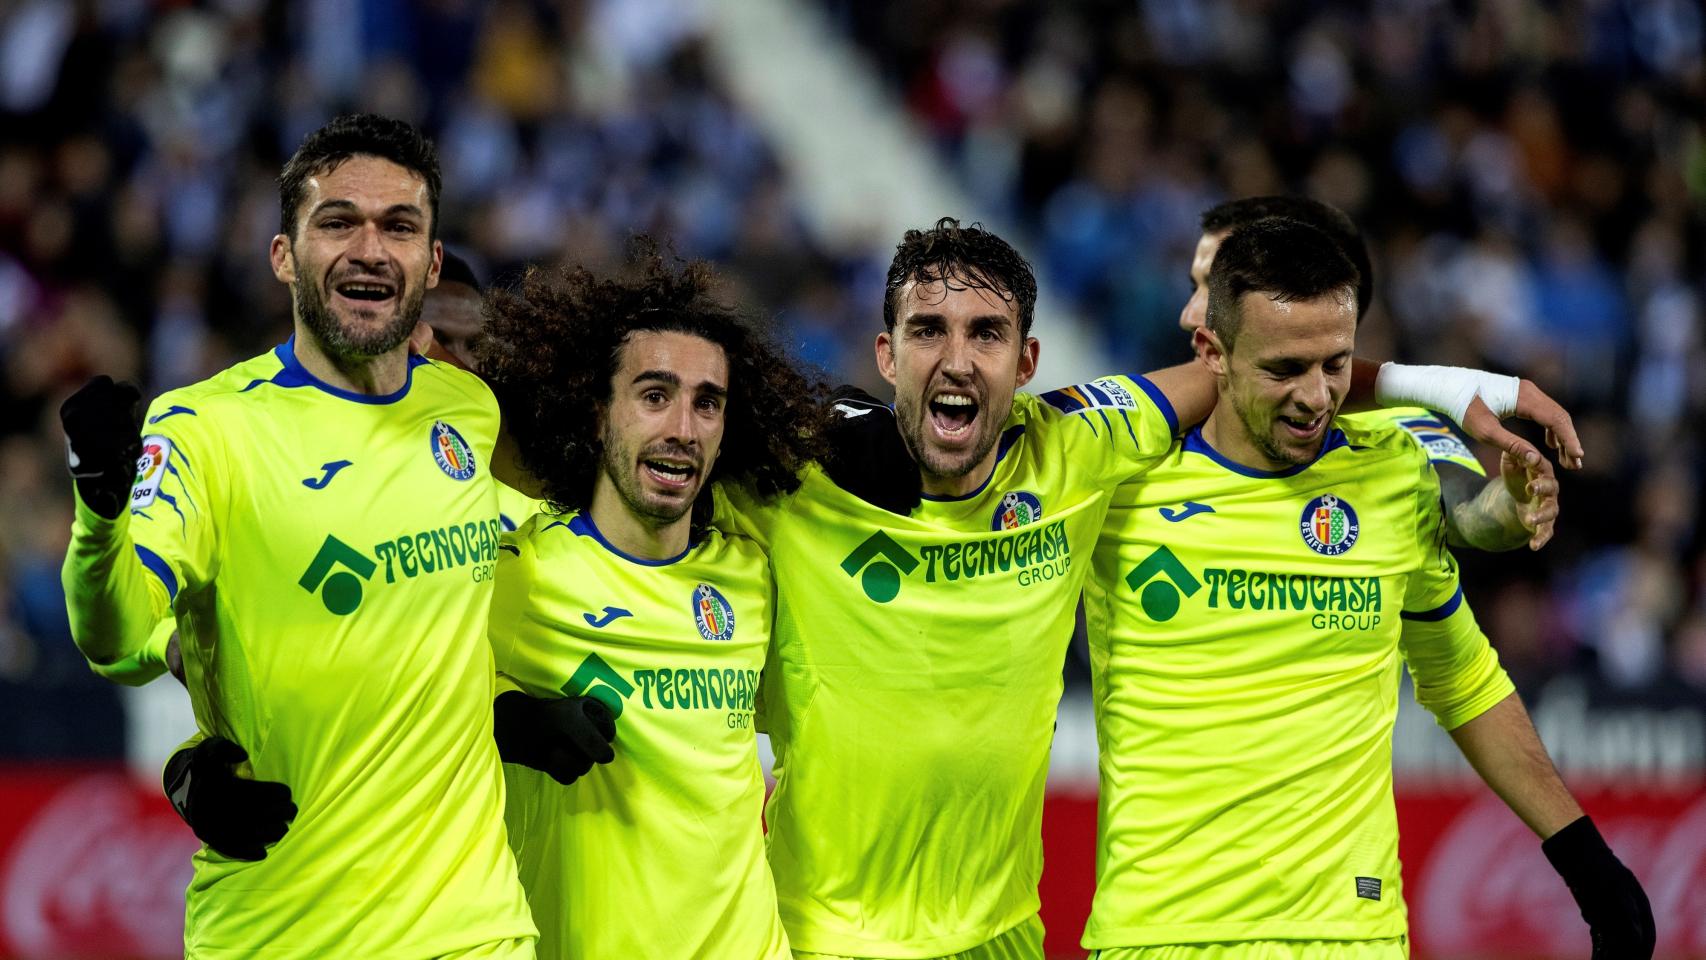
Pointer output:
x,y
969,254
553,342
359,134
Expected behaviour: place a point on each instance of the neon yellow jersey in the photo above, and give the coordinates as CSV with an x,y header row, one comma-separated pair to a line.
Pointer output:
x,y
515,507
1245,634
916,674
1432,430
659,853
329,560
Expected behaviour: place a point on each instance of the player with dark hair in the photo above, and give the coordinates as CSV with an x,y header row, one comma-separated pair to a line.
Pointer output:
x,y
1250,605
452,311
1518,507
632,398
930,588
333,634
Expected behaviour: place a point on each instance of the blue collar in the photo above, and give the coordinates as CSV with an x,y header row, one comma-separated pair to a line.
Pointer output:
x,y
294,374
1194,443
581,525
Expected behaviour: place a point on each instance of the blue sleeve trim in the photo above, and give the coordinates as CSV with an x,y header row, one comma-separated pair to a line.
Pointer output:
x,y
1160,400
173,410
1438,613
161,569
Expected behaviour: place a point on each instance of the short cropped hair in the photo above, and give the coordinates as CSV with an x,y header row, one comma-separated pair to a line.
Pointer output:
x,y
1322,216
352,135
1285,259
969,255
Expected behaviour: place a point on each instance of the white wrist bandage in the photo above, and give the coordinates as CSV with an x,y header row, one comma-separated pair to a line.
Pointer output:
x,y
1446,389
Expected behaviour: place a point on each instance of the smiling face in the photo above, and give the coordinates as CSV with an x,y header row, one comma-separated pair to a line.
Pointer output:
x,y
1195,313
955,357
362,257
1285,378
663,424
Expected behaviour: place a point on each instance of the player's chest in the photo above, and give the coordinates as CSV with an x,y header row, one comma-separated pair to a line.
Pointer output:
x,y
1320,564
335,509
675,649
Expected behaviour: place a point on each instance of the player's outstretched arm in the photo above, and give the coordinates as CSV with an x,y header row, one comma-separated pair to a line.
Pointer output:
x,y
563,736
1474,399
1520,506
113,603
1503,747
234,815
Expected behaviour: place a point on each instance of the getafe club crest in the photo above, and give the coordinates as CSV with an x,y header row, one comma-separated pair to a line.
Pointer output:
x,y
1017,509
1329,525
712,614
452,453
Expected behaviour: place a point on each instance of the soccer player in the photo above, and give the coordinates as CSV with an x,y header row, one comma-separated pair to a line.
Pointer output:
x,y
1498,515
624,596
916,671
1247,616
334,630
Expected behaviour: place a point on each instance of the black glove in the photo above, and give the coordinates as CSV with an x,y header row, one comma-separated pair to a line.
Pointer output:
x,y
234,815
1611,899
103,441
866,455
563,737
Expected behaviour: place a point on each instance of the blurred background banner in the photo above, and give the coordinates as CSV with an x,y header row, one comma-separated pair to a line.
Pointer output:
x,y
1530,175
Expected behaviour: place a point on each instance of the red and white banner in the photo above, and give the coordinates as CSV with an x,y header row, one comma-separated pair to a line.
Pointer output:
x,y
1474,877
93,864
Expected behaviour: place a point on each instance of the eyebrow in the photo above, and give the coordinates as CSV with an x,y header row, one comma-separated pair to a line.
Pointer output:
x,y
666,376
987,319
349,205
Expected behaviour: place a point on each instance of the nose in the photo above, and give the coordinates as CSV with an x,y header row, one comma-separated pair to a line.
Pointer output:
x,y
367,250
956,358
1192,316
1313,392
683,426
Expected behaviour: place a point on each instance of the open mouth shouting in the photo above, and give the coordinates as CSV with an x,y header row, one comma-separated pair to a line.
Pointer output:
x,y
952,416
671,474
366,293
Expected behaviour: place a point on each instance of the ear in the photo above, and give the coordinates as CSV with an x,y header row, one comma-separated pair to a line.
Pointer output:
x,y
1028,360
436,265
885,356
1206,343
283,259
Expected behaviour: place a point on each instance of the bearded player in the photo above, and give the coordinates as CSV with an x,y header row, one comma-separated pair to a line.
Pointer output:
x,y
944,616
332,630
624,604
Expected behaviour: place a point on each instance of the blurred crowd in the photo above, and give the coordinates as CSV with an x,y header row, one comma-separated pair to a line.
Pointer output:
x,y
1530,175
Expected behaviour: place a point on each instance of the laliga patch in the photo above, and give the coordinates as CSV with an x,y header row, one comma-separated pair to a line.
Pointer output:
x,y
1017,509
451,452
150,471
1446,447
1329,525
1103,394
712,613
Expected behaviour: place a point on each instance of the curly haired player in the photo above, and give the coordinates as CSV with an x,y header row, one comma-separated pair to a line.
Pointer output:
x,y
630,397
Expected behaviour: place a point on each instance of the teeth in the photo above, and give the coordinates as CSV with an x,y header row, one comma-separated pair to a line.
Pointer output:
x,y
955,400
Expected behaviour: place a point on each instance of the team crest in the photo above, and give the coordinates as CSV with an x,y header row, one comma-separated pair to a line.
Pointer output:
x,y
150,470
1017,509
712,614
452,453
1329,525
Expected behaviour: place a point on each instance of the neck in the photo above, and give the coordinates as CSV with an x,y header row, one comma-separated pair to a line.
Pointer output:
x,y
961,485
1225,432
634,535
375,376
